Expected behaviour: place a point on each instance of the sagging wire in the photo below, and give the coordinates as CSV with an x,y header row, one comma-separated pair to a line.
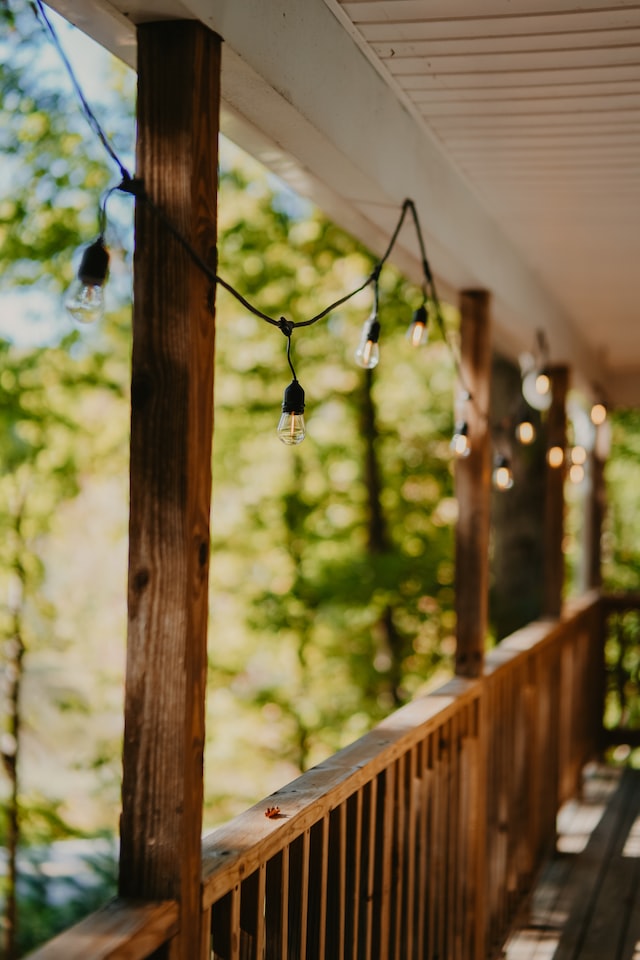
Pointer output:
x,y
94,266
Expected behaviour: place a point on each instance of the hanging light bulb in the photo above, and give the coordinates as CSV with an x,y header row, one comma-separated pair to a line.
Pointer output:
x,y
418,332
84,299
576,473
502,473
555,457
598,414
536,389
291,428
368,352
525,431
460,446
578,455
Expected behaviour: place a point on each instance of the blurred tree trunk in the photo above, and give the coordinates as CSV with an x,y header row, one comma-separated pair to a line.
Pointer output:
x,y
517,514
378,540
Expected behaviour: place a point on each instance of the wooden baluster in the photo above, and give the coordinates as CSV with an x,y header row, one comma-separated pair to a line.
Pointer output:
x,y
354,884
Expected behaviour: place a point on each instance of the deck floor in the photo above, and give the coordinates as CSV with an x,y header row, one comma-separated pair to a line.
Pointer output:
x,y
586,905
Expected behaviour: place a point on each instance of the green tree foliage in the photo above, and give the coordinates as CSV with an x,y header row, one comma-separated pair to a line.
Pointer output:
x,y
62,416
314,628
622,534
318,626
53,171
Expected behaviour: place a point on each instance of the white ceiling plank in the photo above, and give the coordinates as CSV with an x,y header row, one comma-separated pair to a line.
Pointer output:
x,y
381,11
490,45
601,19
546,93
625,103
521,78
623,55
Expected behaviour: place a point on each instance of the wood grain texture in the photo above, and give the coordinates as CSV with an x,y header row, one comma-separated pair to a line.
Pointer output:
x,y
473,486
171,436
123,929
585,904
440,815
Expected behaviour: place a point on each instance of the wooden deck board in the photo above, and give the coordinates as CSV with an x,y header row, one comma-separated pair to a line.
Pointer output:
x,y
586,905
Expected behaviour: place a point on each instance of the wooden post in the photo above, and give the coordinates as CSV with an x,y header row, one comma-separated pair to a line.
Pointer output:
x,y
473,486
554,495
171,436
596,508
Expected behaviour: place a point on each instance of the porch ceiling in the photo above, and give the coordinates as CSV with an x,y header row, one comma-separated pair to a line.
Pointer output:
x,y
514,127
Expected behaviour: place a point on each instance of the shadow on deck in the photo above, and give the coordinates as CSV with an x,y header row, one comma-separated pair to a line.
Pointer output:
x,y
586,904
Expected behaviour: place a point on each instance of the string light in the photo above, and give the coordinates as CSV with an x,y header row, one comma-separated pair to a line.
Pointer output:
x,y
576,473
536,389
525,431
368,351
502,473
291,427
84,299
460,445
85,302
555,457
598,413
536,383
418,332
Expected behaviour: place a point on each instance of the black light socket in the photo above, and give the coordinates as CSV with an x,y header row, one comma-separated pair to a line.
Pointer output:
x,y
293,400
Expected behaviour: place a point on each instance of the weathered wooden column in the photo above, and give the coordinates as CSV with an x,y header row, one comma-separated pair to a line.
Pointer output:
x,y
473,488
553,569
171,431
596,509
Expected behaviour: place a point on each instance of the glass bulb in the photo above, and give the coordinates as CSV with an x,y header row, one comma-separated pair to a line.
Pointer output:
x,y
418,333
555,457
598,414
525,432
85,301
460,446
368,352
576,473
85,297
536,389
579,455
291,428
543,384
502,474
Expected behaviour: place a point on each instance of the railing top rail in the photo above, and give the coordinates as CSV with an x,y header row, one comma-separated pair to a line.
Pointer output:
x,y
234,850
133,930
127,929
621,601
539,634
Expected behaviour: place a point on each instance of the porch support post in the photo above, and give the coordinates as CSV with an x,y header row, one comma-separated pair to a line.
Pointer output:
x,y
553,582
596,508
171,436
473,488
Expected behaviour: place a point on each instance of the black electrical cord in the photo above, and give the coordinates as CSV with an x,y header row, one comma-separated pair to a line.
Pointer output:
x,y
41,14
135,187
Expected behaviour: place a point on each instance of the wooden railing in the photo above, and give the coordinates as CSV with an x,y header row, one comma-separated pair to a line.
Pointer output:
x,y
420,839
